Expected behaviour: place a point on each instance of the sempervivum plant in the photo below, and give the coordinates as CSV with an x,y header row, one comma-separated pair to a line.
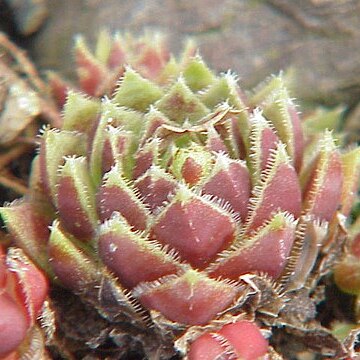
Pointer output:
x,y
187,214
23,289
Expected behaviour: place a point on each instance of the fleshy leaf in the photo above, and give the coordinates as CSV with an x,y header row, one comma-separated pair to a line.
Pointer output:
x,y
80,112
265,89
191,298
191,164
279,189
114,116
196,228
146,156
136,92
229,181
103,47
132,256
55,145
13,325
30,283
116,194
76,199
323,118
223,89
117,55
197,75
323,189
2,267
29,227
117,146
263,140
214,141
266,251
241,340
90,71
238,130
153,120
280,110
155,187
180,104
59,88
70,264
310,237
152,57
351,175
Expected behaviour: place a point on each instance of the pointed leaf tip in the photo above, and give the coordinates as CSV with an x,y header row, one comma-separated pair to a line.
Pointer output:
x,y
116,194
180,104
136,92
90,70
80,112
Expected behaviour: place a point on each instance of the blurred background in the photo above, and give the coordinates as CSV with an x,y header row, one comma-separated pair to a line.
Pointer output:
x,y
318,40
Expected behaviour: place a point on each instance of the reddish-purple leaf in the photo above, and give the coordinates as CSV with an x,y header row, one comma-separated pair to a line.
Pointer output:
x,y
266,251
192,298
116,194
132,257
155,187
197,229
279,189
230,181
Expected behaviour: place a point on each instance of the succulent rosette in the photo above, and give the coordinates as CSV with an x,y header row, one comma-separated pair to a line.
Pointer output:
x,y
182,202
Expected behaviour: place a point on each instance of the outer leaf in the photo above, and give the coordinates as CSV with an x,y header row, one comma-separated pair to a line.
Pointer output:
x,y
132,256
351,175
30,284
70,264
146,156
11,336
29,227
55,146
191,298
76,199
323,190
241,340
266,251
118,117
281,111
